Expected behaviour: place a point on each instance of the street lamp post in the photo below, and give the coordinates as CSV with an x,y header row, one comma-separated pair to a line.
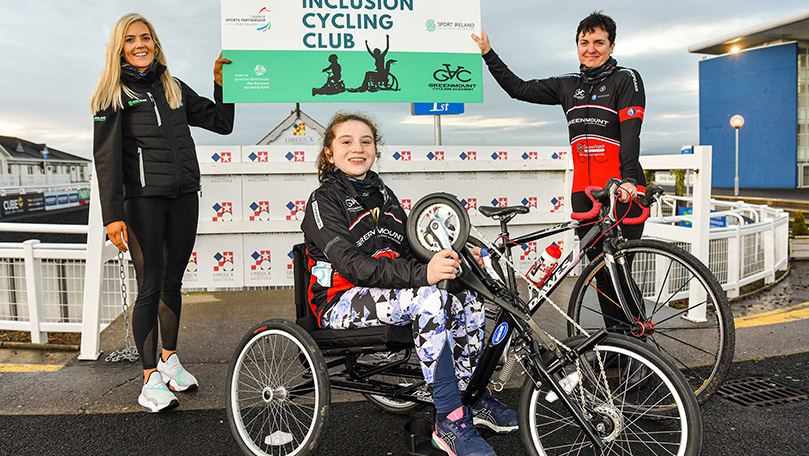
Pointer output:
x,y
736,122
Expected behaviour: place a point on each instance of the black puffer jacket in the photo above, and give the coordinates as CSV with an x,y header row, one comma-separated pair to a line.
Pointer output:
x,y
349,246
146,148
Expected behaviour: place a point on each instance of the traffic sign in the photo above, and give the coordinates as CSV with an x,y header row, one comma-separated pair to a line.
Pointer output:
x,y
431,109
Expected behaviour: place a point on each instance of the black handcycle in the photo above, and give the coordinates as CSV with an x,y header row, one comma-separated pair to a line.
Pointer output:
x,y
577,397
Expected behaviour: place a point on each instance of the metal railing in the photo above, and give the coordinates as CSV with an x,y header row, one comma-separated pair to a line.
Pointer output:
x,y
76,287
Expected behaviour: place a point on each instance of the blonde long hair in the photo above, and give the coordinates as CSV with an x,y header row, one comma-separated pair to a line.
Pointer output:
x,y
108,89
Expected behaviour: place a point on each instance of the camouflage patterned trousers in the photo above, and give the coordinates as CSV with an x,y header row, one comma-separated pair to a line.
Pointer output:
x,y
436,316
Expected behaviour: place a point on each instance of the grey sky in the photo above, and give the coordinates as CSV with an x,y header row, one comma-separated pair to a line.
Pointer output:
x,y
53,52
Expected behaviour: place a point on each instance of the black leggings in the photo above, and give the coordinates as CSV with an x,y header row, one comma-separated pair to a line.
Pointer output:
x,y
613,315
161,232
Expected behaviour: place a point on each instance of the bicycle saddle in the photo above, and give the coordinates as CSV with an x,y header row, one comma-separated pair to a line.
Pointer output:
x,y
490,211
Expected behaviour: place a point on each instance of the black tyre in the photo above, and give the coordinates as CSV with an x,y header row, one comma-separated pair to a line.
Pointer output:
x,y
278,391
444,209
675,287
658,415
392,404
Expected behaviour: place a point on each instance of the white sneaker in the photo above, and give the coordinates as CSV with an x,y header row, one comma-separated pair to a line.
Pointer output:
x,y
155,396
175,375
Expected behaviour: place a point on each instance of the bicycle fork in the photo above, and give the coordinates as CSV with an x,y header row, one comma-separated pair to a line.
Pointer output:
x,y
537,366
617,269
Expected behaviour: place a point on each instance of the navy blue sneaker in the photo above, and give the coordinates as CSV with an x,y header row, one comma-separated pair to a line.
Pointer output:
x,y
457,436
492,414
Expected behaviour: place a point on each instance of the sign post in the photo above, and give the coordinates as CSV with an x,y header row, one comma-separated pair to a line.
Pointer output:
x,y
436,110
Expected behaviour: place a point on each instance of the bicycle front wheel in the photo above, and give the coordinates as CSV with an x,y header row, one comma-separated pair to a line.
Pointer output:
x,y
682,309
278,391
637,402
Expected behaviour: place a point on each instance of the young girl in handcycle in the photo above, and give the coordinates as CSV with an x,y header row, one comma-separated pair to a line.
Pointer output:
x,y
364,273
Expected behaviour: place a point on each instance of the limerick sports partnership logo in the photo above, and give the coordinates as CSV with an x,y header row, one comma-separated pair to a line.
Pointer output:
x,y
265,27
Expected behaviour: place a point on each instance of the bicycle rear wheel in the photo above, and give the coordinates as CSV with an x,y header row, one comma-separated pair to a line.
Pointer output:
x,y
657,415
685,312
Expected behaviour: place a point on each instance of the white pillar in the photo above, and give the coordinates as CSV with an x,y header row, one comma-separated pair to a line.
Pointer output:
x,y
94,273
700,225
33,285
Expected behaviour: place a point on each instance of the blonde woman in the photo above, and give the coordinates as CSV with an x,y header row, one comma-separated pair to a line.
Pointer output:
x,y
148,177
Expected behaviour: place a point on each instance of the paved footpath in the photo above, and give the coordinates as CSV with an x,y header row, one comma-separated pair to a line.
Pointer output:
x,y
64,406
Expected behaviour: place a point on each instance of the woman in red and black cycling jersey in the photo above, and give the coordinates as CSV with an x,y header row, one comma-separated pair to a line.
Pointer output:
x,y
604,106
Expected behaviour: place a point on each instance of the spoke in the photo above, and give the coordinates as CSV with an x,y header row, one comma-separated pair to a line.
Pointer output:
x,y
660,293
687,344
680,312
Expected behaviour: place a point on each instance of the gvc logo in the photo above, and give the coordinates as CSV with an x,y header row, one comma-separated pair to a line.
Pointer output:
x,y
447,74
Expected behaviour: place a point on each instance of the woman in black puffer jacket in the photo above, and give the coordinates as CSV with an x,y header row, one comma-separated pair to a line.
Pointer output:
x,y
148,178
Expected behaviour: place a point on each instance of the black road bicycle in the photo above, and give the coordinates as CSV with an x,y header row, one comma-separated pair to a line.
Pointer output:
x,y
581,395
668,298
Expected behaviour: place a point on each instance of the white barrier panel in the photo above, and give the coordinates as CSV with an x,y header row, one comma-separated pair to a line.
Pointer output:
x,y
261,199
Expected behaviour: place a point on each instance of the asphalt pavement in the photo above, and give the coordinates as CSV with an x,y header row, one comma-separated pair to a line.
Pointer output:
x,y
89,407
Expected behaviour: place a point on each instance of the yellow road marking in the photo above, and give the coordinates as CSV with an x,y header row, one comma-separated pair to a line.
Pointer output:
x,y
788,314
30,367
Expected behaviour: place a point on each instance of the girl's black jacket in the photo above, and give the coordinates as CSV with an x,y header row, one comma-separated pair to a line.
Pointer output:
x,y
349,245
146,149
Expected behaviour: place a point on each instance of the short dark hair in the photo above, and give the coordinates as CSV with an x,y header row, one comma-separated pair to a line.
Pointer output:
x,y
597,20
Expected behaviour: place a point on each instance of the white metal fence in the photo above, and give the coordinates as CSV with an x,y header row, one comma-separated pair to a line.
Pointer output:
x,y
64,288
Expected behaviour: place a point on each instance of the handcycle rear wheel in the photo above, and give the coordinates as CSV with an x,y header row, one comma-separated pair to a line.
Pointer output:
x,y
673,284
656,416
278,391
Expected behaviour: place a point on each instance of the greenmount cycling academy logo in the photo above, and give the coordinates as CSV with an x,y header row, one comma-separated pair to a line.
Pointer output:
x,y
452,78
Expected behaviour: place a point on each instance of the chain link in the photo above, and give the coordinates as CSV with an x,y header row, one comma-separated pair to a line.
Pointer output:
x,y
541,295
129,352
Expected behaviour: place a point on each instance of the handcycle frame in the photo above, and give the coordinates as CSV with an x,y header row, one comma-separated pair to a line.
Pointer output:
x,y
542,358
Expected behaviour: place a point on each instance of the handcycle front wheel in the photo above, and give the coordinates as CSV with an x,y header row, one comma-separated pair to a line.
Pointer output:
x,y
687,316
657,415
278,391
450,216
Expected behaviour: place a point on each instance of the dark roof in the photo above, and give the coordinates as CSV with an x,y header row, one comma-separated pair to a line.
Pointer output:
x,y
791,28
22,149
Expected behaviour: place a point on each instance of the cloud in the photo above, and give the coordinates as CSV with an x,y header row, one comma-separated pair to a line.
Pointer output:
x,y
506,123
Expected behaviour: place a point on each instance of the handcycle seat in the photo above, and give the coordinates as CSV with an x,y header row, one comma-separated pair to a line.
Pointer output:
x,y
375,338
491,211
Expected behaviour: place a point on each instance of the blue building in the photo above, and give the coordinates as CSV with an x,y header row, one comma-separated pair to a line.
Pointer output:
x,y
762,74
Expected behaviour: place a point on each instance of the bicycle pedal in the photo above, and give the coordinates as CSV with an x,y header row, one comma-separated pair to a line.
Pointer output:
x,y
419,433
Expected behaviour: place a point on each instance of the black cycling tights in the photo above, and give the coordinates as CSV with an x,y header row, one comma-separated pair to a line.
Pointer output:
x,y
161,238
613,315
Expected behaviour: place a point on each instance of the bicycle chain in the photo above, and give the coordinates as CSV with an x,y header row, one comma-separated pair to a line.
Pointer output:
x,y
129,353
540,295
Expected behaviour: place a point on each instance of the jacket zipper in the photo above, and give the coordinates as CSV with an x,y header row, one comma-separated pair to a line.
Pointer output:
x,y
157,113
141,167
